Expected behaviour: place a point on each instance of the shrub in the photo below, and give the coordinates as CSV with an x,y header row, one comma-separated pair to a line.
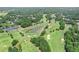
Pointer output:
x,y
62,24
21,33
14,42
1,31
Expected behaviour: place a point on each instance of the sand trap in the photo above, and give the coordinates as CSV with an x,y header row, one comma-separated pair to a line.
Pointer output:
x,y
62,40
48,37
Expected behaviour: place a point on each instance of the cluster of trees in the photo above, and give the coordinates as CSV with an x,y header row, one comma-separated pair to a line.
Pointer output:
x,y
22,34
5,23
49,16
1,31
72,39
16,46
41,43
37,13
59,17
62,24
24,22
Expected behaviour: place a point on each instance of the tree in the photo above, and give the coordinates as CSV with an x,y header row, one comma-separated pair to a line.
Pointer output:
x,y
74,26
49,16
1,31
41,43
21,34
71,40
62,24
11,36
16,46
58,17
68,36
14,42
12,49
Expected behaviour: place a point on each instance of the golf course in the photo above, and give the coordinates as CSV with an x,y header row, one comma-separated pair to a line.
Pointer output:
x,y
52,36
39,29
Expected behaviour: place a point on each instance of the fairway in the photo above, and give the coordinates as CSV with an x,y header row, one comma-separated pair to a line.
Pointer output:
x,y
3,13
55,42
5,42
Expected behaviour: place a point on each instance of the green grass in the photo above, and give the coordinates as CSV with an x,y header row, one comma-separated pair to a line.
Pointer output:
x,y
3,13
27,46
55,42
5,42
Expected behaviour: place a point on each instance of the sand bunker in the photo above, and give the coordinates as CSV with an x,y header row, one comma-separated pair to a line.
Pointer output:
x,y
48,37
62,40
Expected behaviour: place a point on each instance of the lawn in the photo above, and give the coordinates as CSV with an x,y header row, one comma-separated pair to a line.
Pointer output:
x,y
3,13
55,41
5,42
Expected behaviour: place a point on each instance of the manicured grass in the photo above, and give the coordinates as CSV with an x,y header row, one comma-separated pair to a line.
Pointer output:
x,y
5,42
55,41
3,13
27,46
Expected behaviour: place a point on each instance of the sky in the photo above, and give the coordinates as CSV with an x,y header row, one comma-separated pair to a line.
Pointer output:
x,y
39,3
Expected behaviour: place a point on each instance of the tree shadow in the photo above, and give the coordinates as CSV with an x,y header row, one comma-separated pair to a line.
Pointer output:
x,y
41,43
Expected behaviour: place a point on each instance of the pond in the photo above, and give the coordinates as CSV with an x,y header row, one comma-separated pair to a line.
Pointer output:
x,y
10,28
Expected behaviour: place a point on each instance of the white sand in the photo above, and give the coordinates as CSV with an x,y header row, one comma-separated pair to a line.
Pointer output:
x,y
48,37
29,36
62,40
